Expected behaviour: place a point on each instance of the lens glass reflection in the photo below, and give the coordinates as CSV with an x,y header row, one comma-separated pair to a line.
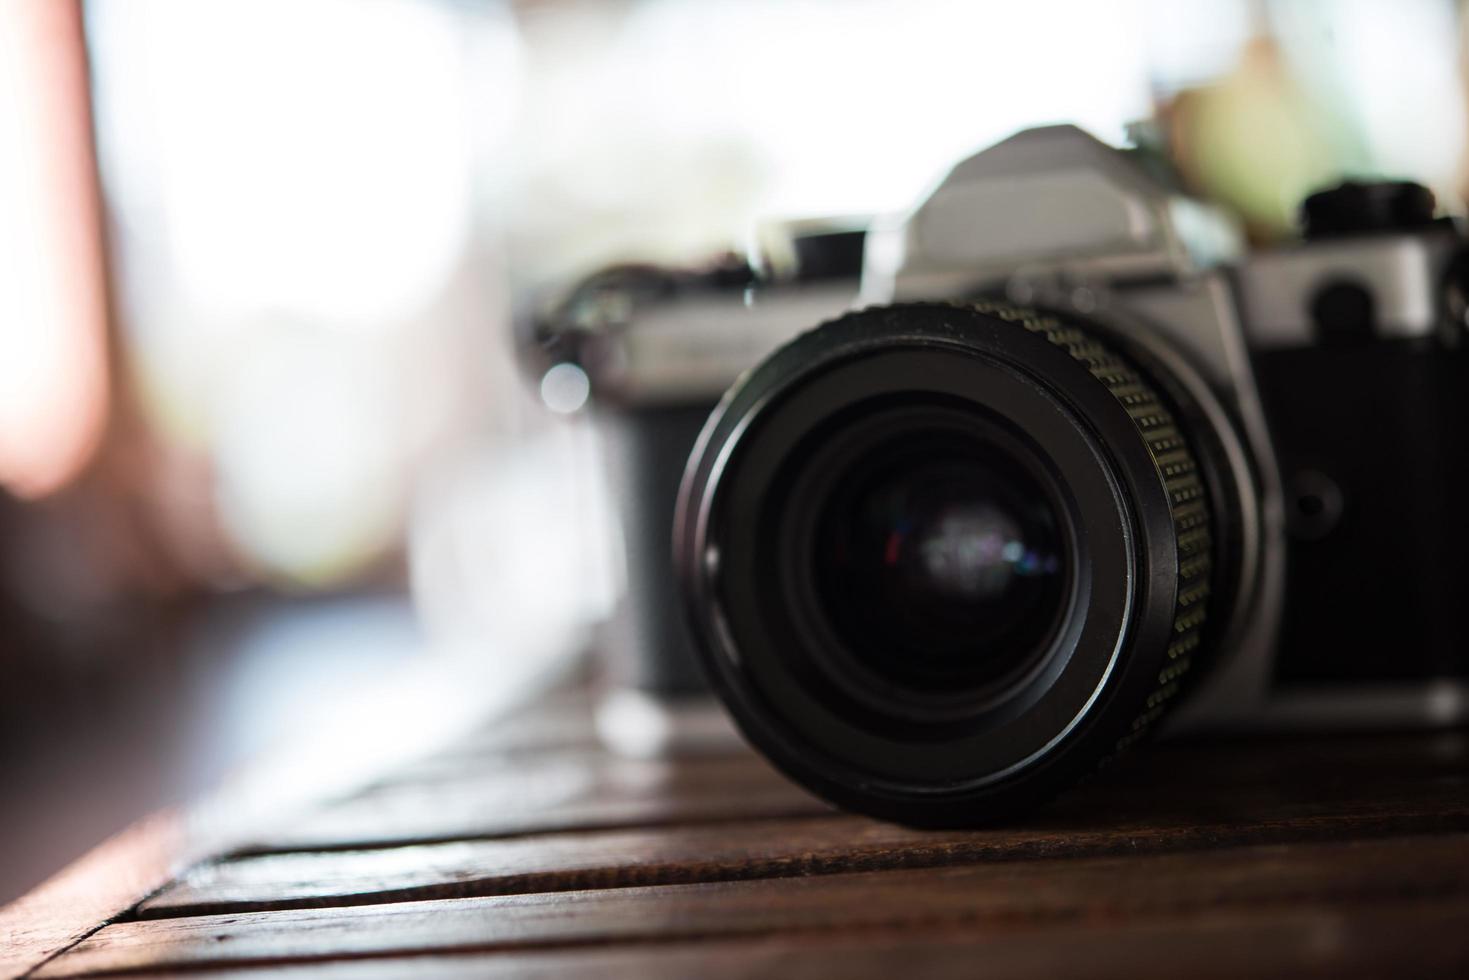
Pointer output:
x,y
941,563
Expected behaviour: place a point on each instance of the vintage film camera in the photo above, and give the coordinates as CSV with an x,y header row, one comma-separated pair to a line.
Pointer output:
x,y
1074,456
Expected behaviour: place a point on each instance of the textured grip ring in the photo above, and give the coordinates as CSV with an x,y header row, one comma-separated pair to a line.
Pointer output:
x,y
1177,468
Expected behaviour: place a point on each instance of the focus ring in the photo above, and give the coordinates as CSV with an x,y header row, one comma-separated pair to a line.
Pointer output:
x,y
1177,469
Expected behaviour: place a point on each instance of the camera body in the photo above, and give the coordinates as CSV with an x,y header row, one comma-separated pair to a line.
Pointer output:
x,y
1340,369
659,346
1319,387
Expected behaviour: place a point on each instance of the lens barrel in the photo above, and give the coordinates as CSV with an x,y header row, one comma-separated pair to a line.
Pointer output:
x,y
942,561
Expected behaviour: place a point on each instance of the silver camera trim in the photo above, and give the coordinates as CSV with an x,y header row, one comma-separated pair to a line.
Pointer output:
x,y
1400,272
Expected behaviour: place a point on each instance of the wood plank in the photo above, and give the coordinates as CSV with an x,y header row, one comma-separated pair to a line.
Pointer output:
x,y
981,899
1364,941
1248,780
576,789
99,887
120,872
761,849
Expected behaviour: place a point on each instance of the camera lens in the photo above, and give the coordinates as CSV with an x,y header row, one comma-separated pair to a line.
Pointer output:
x,y
937,556
944,560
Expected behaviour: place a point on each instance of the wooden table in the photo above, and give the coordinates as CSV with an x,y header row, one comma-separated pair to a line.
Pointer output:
x,y
526,850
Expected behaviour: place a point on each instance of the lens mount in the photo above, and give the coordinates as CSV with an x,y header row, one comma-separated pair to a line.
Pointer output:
x,y
942,560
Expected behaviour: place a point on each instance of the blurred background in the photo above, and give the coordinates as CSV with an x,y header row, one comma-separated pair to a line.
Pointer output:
x,y
265,447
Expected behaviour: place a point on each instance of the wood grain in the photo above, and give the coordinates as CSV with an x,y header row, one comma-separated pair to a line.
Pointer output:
x,y
94,890
526,850
978,900
563,790
767,849
120,872
1364,941
1211,783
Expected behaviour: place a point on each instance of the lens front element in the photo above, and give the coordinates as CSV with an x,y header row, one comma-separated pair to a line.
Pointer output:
x,y
939,557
